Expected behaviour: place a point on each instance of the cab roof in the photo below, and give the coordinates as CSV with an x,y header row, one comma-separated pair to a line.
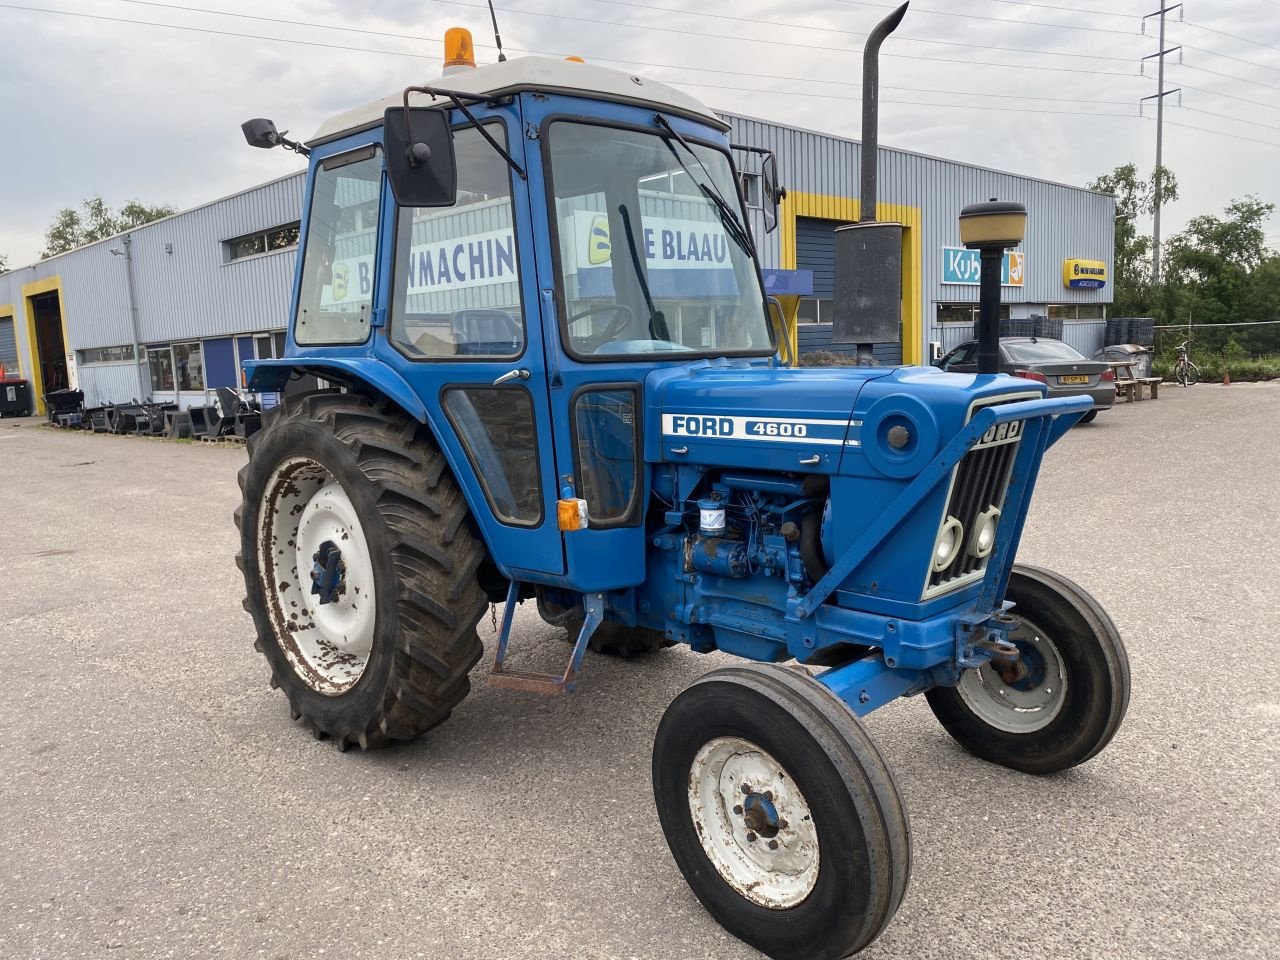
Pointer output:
x,y
532,73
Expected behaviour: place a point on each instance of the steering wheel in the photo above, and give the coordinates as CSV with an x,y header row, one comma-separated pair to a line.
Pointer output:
x,y
624,317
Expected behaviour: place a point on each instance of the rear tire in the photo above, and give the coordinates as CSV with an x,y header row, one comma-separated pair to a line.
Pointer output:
x,y
372,486
781,813
1089,417
1073,693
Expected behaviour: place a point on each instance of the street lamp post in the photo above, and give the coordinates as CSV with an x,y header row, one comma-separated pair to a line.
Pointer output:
x,y
991,228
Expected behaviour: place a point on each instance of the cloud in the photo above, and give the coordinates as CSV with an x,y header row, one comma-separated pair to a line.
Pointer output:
x,y
133,111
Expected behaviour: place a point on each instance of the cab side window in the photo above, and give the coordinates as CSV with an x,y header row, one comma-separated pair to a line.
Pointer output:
x,y
457,276
341,250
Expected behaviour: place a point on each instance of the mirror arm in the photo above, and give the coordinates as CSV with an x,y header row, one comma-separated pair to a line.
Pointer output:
x,y
456,98
299,148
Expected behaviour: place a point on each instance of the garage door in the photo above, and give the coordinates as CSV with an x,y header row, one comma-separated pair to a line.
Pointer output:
x,y
815,250
8,347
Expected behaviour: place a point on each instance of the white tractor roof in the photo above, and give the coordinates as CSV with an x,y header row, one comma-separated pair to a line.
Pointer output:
x,y
532,73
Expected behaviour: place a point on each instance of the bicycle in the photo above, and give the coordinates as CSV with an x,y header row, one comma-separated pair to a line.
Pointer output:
x,y
1184,371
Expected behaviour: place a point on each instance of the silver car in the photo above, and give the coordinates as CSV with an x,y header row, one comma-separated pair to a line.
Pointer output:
x,y
1059,366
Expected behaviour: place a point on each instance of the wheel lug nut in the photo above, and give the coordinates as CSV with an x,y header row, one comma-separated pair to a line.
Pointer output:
x,y
746,788
751,838
782,824
768,795
773,844
737,811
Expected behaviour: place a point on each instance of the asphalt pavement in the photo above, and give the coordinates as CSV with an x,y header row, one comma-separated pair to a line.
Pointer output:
x,y
157,801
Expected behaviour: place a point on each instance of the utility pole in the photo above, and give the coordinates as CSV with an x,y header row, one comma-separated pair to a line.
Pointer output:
x,y
1158,97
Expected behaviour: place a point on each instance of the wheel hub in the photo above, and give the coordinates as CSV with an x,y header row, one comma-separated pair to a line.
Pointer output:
x,y
1020,695
328,573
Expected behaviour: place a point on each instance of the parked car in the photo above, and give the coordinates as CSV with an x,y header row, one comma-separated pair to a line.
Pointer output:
x,y
1059,366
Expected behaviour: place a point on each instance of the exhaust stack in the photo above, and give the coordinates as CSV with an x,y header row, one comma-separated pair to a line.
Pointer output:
x,y
868,254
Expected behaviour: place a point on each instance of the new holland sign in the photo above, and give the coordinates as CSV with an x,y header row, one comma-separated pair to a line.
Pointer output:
x,y
961,265
1084,274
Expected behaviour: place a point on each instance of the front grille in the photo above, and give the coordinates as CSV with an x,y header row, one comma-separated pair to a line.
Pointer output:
x,y
978,483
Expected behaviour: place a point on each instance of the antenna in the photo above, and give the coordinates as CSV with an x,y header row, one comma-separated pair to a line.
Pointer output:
x,y
502,57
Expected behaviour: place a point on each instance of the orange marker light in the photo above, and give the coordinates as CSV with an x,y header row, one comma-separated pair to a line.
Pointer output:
x,y
571,514
459,51
575,60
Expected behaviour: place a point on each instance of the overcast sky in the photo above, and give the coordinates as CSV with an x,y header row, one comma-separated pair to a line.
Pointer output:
x,y
134,111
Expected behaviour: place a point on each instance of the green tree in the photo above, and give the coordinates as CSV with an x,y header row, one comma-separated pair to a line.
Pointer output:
x,y
1214,267
95,221
4,263
1135,201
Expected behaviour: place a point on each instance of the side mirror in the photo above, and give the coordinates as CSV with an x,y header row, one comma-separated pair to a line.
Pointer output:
x,y
937,362
772,193
260,132
420,161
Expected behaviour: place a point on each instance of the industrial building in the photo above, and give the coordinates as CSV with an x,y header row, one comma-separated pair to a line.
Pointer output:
x,y
171,309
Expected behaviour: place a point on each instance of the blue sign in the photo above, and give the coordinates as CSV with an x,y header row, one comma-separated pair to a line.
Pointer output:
x,y
962,265
797,283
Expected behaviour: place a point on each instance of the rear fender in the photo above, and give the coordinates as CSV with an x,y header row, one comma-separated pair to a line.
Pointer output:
x,y
372,376
272,375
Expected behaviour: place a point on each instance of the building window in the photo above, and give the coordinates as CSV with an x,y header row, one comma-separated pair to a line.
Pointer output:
x,y
751,189
180,365
262,241
1077,311
105,354
814,310
160,363
965,312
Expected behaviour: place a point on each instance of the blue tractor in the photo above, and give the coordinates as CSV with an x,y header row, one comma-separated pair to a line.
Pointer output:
x,y
547,370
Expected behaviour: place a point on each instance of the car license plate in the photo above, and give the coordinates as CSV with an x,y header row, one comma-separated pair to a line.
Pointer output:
x,y
1073,379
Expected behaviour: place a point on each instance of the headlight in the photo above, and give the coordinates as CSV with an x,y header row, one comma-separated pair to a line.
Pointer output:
x,y
948,543
984,533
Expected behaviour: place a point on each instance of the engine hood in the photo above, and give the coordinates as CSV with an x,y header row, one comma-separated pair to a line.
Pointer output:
x,y
749,415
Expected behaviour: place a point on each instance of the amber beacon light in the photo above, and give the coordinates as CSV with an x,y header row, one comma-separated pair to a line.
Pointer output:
x,y
459,50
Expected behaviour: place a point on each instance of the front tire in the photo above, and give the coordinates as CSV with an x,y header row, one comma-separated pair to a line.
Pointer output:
x,y
359,568
1067,694
781,813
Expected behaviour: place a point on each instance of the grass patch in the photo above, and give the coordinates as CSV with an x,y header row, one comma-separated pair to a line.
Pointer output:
x,y
1213,368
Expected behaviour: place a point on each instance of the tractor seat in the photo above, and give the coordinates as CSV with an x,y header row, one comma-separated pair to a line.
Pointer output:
x,y
485,333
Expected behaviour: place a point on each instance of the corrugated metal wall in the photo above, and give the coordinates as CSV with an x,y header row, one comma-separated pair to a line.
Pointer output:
x,y
1064,222
185,287
104,383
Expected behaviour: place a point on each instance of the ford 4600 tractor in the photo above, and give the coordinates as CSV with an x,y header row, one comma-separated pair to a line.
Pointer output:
x,y
552,374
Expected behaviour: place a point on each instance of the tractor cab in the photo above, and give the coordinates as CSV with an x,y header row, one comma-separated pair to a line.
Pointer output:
x,y
562,230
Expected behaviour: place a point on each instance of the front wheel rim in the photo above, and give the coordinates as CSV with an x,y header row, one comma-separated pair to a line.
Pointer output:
x,y
1036,695
754,824
317,575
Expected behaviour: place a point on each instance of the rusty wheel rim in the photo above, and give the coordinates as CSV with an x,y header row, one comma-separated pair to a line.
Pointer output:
x,y
317,575
754,824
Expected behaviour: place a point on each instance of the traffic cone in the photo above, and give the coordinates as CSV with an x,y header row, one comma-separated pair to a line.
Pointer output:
x,y
1226,378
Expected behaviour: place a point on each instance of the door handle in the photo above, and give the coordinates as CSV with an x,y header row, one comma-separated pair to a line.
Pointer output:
x,y
810,461
511,375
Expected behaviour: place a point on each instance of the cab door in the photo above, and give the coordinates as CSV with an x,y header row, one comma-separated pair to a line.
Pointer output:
x,y
463,328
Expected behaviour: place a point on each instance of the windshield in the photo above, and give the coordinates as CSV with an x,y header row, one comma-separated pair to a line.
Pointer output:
x,y
654,258
1038,351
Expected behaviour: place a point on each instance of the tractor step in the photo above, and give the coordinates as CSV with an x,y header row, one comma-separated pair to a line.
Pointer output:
x,y
546,684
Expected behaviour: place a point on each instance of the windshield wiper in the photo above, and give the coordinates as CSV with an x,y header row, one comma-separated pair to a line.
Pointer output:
x,y
657,320
728,216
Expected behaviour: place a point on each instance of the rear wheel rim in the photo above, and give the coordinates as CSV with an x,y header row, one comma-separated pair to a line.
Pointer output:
x,y
317,574
1030,702
754,824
